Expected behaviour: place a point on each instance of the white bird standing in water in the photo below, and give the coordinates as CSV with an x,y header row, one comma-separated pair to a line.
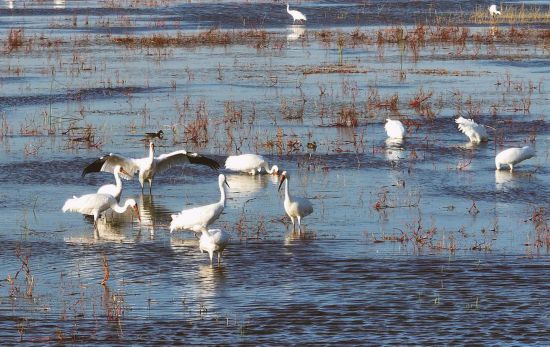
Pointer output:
x,y
114,189
95,204
250,163
214,240
199,218
395,129
296,15
475,132
149,166
513,156
295,207
493,10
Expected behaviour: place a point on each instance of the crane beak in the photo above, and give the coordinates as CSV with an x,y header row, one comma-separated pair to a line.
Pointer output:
x,y
227,184
282,180
136,211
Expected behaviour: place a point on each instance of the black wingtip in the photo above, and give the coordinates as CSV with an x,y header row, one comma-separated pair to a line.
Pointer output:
x,y
95,166
199,159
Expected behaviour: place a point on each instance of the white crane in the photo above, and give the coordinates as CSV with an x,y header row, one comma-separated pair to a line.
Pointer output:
x,y
295,207
149,166
114,189
296,15
95,204
214,240
475,132
493,11
250,163
395,129
199,218
513,156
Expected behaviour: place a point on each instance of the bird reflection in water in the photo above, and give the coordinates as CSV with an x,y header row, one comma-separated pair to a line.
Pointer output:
x,y
247,185
394,149
505,180
296,32
152,214
58,4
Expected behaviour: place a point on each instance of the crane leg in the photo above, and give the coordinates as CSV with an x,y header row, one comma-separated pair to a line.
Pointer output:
x,y
211,254
150,185
292,219
299,225
511,167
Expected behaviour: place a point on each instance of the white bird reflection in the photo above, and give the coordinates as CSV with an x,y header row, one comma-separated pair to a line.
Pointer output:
x,y
297,32
247,185
152,214
59,4
394,149
111,227
184,244
505,179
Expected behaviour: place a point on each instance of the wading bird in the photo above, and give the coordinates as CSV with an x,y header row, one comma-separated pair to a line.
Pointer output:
x,y
475,132
250,163
395,129
493,10
114,189
296,15
214,240
95,204
199,218
513,156
295,207
149,166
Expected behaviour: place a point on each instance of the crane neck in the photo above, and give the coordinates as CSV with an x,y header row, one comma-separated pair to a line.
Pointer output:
x,y
222,193
151,153
267,169
117,180
121,209
287,194
288,8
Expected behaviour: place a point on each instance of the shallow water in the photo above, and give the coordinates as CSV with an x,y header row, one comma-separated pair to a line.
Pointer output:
x,y
357,275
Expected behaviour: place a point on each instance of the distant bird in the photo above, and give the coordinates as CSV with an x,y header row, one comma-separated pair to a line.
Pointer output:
x,y
95,204
158,135
395,129
149,166
296,15
295,207
513,156
214,240
114,189
475,132
250,163
312,145
493,10
199,218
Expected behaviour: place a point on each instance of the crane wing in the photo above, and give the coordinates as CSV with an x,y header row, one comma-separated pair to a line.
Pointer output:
x,y
166,161
108,162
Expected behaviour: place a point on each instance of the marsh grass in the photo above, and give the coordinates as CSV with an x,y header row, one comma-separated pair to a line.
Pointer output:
x,y
512,14
212,37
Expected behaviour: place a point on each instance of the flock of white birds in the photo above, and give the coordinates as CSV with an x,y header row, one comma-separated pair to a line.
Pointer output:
x,y
198,219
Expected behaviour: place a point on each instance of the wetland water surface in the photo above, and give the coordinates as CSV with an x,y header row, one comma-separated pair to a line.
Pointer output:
x,y
418,241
